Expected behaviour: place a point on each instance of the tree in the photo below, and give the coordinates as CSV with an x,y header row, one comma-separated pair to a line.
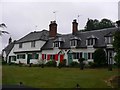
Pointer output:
x,y
3,26
89,25
106,23
100,57
95,24
116,45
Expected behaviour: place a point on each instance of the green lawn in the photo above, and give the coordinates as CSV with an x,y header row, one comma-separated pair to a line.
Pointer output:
x,y
49,77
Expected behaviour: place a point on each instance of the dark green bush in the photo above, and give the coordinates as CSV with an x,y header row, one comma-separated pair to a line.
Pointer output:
x,y
92,65
51,63
99,57
12,63
4,62
62,64
74,64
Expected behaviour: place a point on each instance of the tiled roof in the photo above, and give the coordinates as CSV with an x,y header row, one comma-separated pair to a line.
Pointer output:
x,y
99,34
36,35
9,48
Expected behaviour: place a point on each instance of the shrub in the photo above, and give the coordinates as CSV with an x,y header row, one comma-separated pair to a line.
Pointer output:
x,y
92,65
100,57
62,64
4,62
74,64
51,63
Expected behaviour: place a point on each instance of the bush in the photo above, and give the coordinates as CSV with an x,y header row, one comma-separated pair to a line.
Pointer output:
x,y
74,64
4,62
62,64
92,65
51,63
13,63
100,57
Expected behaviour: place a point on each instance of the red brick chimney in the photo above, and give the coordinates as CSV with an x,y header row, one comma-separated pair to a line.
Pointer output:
x,y
74,26
53,29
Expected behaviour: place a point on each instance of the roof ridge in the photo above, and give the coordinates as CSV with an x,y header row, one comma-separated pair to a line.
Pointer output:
x,y
97,30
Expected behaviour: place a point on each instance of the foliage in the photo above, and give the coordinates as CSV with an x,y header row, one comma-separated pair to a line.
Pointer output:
x,y
4,62
62,64
81,63
96,24
116,45
74,64
100,57
92,65
51,63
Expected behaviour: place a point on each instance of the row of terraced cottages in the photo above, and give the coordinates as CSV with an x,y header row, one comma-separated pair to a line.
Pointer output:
x,y
49,45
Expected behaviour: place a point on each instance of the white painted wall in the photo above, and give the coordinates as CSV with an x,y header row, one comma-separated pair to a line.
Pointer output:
x,y
88,50
4,55
11,54
27,46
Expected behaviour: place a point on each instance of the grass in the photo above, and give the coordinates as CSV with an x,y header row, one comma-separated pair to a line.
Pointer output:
x,y
49,77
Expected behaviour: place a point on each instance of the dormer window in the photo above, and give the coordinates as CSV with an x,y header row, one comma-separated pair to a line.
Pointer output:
x,y
56,44
74,41
92,40
109,38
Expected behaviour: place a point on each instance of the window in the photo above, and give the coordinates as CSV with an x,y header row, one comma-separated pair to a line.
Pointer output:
x,y
34,56
109,40
20,45
73,42
21,56
56,44
77,55
13,58
91,41
33,44
90,55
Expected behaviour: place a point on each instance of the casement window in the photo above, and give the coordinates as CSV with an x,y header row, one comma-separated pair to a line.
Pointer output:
x,y
91,41
73,42
77,55
56,44
33,44
20,45
21,56
108,40
12,58
90,55
35,56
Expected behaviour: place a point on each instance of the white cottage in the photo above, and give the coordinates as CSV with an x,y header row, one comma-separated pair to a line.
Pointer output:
x,y
46,45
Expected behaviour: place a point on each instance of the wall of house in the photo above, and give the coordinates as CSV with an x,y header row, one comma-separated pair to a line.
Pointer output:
x,y
51,52
27,46
11,54
4,55
84,50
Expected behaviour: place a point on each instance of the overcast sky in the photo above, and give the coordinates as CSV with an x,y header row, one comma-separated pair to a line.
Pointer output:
x,y
22,16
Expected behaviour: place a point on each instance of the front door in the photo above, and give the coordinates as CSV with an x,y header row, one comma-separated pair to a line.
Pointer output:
x,y
28,58
69,58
